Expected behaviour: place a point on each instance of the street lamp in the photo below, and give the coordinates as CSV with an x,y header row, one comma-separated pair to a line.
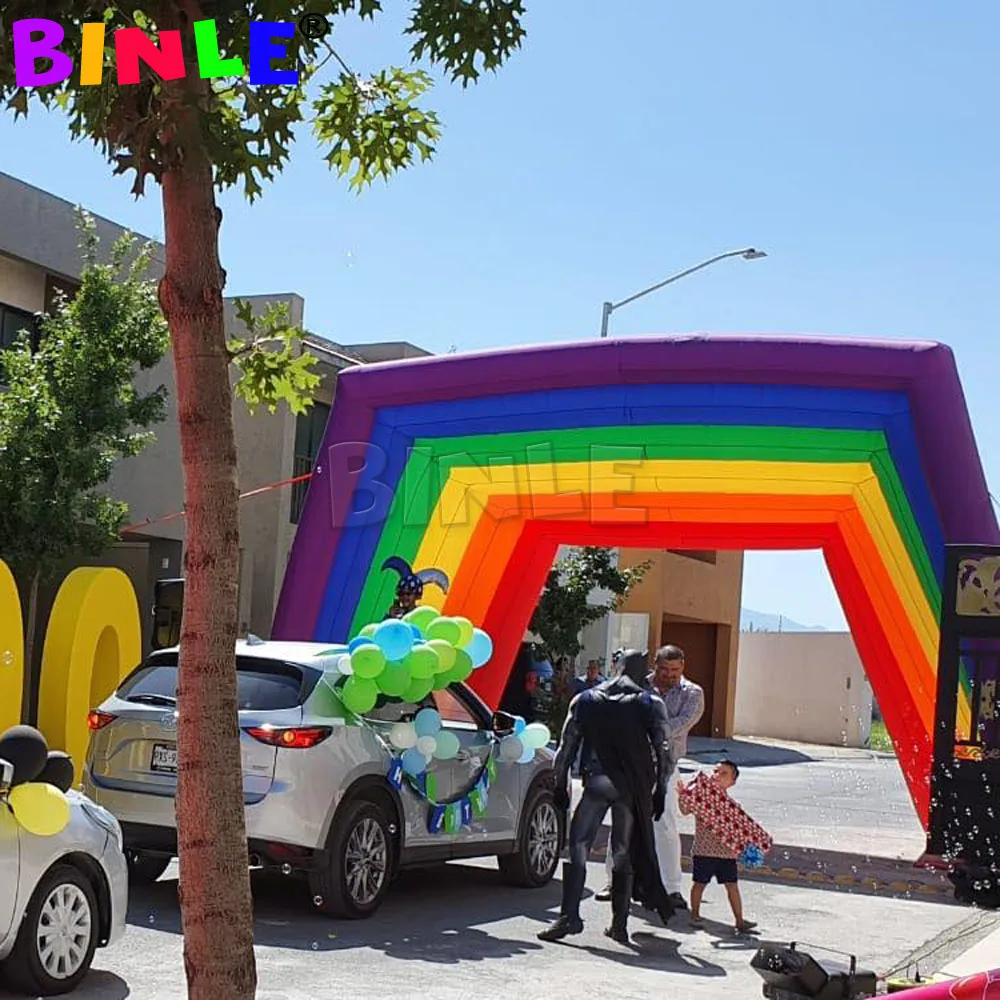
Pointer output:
x,y
750,253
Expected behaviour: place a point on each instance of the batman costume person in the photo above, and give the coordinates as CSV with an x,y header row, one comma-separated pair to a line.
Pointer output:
x,y
621,726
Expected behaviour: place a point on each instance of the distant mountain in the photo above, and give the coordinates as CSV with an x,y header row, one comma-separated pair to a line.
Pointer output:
x,y
758,621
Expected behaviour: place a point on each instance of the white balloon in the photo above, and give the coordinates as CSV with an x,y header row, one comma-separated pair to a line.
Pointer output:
x,y
427,745
403,735
511,748
344,664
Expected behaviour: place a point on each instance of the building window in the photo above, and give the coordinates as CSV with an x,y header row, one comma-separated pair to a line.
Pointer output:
x,y
309,430
12,322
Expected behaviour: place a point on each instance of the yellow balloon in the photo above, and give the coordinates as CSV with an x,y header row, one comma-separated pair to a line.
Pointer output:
x,y
41,809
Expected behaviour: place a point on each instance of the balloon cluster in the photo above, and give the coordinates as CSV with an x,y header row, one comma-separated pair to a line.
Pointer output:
x,y
752,857
422,741
409,657
521,744
40,782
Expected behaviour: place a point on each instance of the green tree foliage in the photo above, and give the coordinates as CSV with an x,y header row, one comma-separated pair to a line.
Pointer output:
x,y
564,609
70,409
195,136
272,364
371,124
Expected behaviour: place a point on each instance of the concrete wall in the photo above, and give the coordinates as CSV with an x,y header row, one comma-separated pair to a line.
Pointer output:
x,y
38,228
387,351
809,687
153,484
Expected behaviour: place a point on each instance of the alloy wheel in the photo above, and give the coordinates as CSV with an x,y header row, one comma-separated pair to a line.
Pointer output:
x,y
366,861
543,839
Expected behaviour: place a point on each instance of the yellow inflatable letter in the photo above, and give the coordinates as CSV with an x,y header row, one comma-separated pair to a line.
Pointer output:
x,y
93,640
11,650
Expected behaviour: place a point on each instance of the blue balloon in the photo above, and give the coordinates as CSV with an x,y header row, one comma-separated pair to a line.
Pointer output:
x,y
528,756
414,762
395,638
480,648
361,640
418,636
427,722
519,725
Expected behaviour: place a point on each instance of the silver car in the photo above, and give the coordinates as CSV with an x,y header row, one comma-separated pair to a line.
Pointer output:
x,y
318,800
60,897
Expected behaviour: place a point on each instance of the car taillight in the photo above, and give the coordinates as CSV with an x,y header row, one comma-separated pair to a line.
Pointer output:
x,y
292,738
98,720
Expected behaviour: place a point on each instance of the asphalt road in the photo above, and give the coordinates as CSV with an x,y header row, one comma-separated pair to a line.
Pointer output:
x,y
456,931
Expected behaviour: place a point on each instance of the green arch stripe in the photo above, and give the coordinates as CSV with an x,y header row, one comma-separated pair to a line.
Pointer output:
x,y
431,461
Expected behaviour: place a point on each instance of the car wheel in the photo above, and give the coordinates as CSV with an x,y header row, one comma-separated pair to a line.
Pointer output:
x,y
534,862
357,865
144,869
56,942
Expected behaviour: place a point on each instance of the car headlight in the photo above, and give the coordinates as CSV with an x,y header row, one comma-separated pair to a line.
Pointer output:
x,y
104,820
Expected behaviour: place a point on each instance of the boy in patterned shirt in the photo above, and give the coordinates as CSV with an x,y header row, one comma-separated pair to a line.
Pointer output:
x,y
711,858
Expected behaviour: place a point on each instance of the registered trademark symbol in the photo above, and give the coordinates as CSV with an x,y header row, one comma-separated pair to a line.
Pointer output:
x,y
314,26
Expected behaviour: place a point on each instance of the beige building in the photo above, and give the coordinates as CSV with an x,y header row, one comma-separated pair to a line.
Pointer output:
x,y
38,255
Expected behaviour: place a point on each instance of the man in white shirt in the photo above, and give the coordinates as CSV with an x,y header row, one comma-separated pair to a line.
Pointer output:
x,y
685,702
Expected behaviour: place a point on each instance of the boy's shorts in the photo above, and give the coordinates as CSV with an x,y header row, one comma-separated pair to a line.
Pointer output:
x,y
723,870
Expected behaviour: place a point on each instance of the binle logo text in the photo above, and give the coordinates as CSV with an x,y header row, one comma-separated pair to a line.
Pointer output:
x,y
37,38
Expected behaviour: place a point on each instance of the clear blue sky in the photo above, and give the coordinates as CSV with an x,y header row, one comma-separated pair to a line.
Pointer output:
x,y
855,141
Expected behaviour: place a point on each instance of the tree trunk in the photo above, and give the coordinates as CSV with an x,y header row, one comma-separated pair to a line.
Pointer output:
x,y
216,905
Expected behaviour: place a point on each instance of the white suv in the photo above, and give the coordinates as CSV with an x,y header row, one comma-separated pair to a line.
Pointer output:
x,y
61,897
319,802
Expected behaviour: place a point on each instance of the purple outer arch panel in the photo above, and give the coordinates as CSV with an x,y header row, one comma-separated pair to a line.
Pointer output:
x,y
926,371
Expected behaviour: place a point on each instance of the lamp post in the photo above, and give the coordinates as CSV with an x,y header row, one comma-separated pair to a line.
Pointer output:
x,y
750,253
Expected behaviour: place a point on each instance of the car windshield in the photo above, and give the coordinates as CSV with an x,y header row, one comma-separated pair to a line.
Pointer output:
x,y
262,685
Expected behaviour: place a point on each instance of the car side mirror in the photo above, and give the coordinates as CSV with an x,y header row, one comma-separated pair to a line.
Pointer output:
x,y
6,777
503,723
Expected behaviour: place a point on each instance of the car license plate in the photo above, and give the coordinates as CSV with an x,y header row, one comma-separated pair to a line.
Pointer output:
x,y
164,758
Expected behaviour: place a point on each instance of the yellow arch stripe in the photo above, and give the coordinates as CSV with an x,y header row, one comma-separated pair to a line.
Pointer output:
x,y
465,494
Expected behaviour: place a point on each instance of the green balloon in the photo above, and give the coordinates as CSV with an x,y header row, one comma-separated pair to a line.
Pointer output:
x,y
445,654
423,661
369,630
368,661
441,681
421,617
465,633
394,679
463,667
420,688
459,672
446,629
359,695
448,745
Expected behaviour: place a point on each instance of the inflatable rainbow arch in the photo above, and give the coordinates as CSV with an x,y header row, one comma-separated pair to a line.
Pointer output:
x,y
480,465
